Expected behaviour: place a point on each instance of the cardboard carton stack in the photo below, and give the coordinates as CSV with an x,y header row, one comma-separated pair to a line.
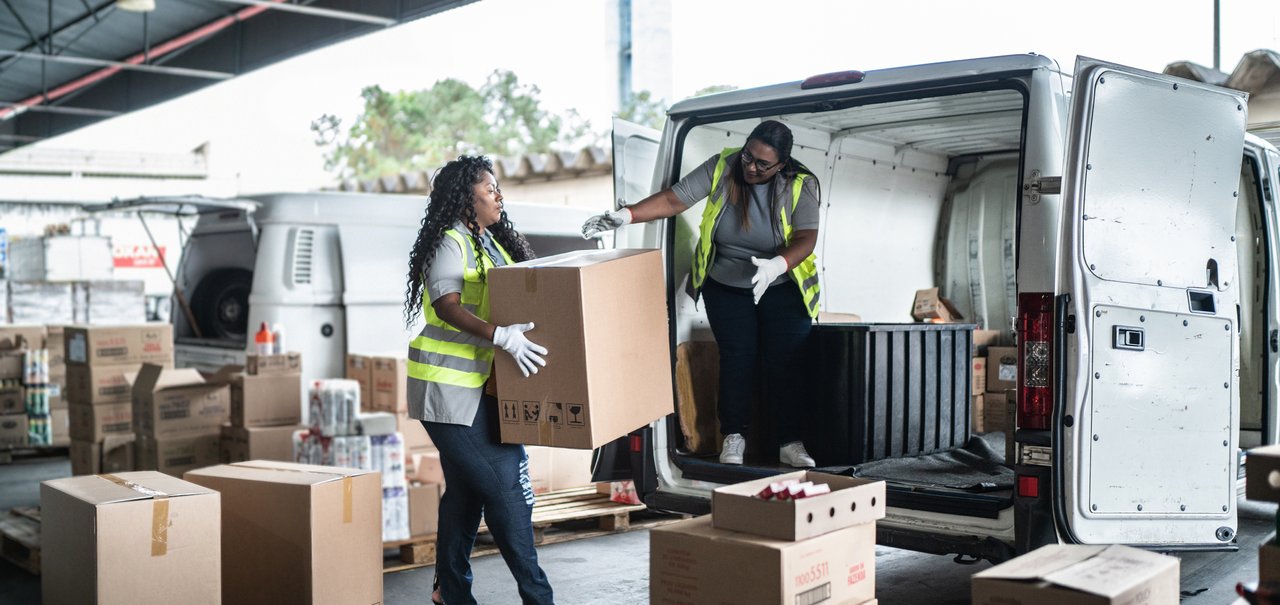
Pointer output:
x,y
41,303
996,410
1262,483
753,549
101,362
16,346
266,408
1078,573
177,418
930,307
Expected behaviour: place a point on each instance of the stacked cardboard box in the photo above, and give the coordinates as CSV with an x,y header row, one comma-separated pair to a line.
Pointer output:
x,y
995,399
755,550
1262,483
101,362
177,418
266,408
1079,573
15,342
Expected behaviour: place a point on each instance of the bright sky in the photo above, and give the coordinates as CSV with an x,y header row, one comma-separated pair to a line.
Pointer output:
x,y
258,123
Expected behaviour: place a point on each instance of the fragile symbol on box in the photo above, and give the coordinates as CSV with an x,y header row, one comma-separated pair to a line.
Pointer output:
x,y
531,412
555,414
577,414
510,411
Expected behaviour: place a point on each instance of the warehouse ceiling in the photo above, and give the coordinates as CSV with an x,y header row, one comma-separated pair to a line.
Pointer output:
x,y
66,64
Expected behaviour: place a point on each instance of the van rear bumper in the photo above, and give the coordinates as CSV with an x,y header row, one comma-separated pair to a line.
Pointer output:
x,y
987,547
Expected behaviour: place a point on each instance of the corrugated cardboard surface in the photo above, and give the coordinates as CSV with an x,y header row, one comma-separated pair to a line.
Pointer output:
x,y
13,429
113,455
266,400
1260,463
96,422
177,455
360,369
257,443
602,315
100,383
415,436
32,335
852,501
151,342
1002,368
140,538
694,563
266,365
1073,573
388,385
176,403
424,509
296,533
1269,562
12,400
60,426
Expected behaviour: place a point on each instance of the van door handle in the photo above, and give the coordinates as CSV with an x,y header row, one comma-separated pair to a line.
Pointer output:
x,y
1129,339
1275,334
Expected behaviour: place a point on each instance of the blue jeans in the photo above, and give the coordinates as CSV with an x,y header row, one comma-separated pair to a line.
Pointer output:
x,y
775,334
483,476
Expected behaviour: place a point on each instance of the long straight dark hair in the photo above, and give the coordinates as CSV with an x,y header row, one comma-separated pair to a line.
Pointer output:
x,y
776,135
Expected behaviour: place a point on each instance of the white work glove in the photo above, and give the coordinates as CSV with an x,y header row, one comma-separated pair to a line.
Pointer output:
x,y
526,352
606,222
766,272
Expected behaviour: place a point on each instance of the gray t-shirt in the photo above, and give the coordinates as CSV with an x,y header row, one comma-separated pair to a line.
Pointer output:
x,y
445,274
734,245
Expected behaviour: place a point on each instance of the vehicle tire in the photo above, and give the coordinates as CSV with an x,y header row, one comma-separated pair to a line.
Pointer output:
x,y
220,303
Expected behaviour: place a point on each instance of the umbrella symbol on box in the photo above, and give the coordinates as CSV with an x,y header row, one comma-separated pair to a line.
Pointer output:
x,y
576,412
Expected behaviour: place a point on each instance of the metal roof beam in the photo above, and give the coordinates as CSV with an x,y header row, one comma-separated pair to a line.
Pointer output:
x,y
316,11
159,69
74,111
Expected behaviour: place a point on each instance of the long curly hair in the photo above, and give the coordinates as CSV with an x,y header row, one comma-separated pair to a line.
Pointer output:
x,y
452,201
776,135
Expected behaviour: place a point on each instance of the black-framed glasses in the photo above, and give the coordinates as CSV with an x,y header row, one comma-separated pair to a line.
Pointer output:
x,y
761,165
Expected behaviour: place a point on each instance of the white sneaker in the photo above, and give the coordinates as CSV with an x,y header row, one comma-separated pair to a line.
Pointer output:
x,y
794,454
731,451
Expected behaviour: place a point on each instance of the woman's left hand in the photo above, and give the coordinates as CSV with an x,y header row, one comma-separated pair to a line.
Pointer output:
x,y
766,272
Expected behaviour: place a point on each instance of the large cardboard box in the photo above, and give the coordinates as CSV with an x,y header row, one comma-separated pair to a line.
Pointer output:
x,y
296,533
1262,474
60,427
140,343
114,454
598,384
424,508
929,305
140,538
360,369
553,469
173,403
979,383
11,363
694,563
1074,573
1002,368
426,467
31,336
177,455
94,422
267,365
266,399
12,399
984,339
257,443
100,383
13,430
388,385
852,501
998,411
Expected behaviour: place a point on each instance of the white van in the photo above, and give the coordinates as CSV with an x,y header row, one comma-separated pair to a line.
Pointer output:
x,y
1118,225
330,267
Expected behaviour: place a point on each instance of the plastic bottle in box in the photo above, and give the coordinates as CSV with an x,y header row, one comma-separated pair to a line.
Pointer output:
x,y
341,452
395,514
361,452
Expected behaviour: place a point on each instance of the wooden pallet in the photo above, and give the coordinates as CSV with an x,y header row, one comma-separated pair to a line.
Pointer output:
x,y
10,453
20,538
551,513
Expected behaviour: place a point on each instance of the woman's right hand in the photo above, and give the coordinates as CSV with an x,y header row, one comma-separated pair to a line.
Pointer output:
x,y
526,352
607,221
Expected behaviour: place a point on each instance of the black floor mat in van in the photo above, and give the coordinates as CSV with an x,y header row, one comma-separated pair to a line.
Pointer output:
x,y
976,467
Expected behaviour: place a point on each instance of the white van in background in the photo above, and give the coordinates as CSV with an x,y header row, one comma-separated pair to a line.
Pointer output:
x,y
329,267
1118,225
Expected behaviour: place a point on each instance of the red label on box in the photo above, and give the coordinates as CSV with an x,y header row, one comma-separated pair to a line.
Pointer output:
x,y
137,257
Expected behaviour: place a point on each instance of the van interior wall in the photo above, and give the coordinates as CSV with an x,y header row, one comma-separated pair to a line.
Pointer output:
x,y
976,259
1251,238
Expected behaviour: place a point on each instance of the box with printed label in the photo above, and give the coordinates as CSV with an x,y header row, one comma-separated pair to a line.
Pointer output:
x,y
328,519
360,369
172,403
94,422
979,375
695,563
140,538
388,385
140,343
12,400
177,455
1002,368
257,443
265,399
114,454
852,501
596,386
26,336
929,305
60,427
1077,573
100,383
267,365
13,430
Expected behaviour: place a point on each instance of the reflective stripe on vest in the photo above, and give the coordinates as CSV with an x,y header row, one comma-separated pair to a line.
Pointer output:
x,y
445,362
805,275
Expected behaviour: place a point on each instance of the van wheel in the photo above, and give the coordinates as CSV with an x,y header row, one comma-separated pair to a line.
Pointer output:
x,y
220,303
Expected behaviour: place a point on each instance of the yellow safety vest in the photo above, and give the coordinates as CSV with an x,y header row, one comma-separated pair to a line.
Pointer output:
x,y
444,362
805,275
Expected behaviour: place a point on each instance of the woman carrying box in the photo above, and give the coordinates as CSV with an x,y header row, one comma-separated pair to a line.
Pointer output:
x,y
755,264
464,234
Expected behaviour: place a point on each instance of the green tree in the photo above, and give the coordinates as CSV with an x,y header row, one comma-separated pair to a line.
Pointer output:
x,y
641,108
422,129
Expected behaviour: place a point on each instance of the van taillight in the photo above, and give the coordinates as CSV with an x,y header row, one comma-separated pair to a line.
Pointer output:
x,y
1035,360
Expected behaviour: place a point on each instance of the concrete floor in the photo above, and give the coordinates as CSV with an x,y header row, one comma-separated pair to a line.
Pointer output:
x,y
615,568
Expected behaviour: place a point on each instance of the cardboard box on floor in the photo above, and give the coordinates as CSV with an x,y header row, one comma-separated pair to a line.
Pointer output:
x,y
694,563
852,501
177,455
424,508
1075,573
13,430
327,520
114,454
360,369
929,305
257,443
141,538
93,345
264,399
1002,368
598,384
177,403
95,422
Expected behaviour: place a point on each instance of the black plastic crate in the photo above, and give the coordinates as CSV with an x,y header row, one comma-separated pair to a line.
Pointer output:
x,y
890,390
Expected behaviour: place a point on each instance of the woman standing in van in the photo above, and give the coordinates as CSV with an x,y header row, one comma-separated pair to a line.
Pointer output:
x,y
755,264
464,234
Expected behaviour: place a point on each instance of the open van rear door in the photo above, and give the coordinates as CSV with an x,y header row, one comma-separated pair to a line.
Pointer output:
x,y
635,156
1147,403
